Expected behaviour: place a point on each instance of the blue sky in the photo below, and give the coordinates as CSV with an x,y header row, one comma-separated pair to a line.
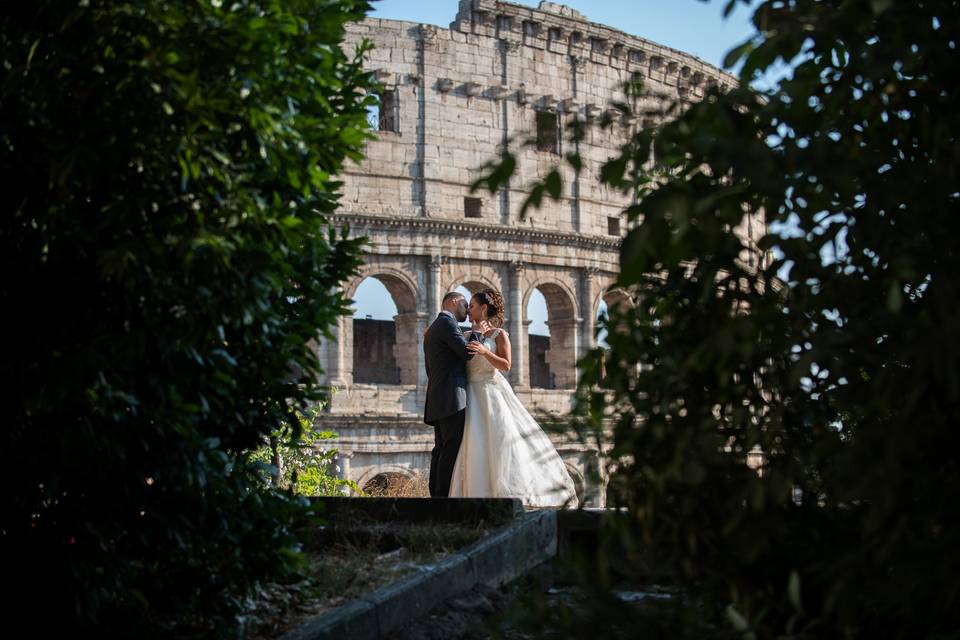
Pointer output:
x,y
691,26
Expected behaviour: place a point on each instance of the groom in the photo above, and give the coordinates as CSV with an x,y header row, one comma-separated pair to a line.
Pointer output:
x,y
446,354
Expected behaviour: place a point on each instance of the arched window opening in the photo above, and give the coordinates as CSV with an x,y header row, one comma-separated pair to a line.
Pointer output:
x,y
538,341
384,341
552,338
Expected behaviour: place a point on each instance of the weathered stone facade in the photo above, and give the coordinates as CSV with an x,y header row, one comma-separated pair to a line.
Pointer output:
x,y
451,98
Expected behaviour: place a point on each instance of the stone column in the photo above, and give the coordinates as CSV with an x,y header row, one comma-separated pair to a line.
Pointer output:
x,y
410,356
525,332
320,347
342,461
334,356
423,321
562,356
588,278
519,374
430,308
409,352
434,293
344,342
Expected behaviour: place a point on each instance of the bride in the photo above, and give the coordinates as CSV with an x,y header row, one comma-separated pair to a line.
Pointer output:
x,y
504,452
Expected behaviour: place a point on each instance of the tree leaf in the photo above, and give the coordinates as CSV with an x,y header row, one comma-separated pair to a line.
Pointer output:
x,y
740,51
553,184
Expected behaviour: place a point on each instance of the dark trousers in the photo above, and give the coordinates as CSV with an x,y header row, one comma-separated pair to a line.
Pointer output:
x,y
448,434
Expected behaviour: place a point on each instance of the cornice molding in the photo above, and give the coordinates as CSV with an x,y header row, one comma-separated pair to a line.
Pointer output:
x,y
496,232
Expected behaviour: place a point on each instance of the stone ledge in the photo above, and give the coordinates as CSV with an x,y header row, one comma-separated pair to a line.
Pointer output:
x,y
491,561
455,226
465,511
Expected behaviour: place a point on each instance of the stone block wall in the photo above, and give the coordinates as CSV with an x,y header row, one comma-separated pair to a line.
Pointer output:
x,y
457,96
377,339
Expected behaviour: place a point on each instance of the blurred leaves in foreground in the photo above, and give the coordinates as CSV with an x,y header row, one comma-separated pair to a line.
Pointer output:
x,y
168,166
827,351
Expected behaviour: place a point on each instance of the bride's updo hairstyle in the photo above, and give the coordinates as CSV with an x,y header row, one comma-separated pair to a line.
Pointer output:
x,y
494,302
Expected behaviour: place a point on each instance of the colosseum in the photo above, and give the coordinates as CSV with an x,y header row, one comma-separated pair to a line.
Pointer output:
x,y
451,99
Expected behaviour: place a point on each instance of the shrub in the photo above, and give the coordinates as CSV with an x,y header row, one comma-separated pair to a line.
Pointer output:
x,y
167,168
297,459
831,346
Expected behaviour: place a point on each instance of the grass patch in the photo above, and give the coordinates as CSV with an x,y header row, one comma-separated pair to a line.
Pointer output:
x,y
341,564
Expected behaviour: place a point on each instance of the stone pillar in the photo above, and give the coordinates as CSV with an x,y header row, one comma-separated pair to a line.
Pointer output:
x,y
320,347
519,374
588,278
335,353
409,351
344,347
562,356
525,332
423,321
343,460
431,307
434,292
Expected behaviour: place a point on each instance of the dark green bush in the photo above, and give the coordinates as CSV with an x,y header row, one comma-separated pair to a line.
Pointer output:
x,y
167,166
838,353
845,374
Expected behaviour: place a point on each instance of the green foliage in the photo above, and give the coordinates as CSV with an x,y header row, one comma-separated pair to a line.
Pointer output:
x,y
832,345
296,459
167,168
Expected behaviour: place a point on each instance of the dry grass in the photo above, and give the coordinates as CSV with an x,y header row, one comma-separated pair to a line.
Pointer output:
x,y
357,563
328,580
397,485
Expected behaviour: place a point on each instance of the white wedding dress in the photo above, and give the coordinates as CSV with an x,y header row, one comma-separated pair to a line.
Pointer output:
x,y
505,453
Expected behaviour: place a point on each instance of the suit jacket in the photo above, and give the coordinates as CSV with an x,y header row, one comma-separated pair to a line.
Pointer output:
x,y
446,355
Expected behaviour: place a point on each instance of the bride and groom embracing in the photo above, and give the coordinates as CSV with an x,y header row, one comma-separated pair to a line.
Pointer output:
x,y
487,444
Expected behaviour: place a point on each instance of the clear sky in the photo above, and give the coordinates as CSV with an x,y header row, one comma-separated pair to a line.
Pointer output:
x,y
692,26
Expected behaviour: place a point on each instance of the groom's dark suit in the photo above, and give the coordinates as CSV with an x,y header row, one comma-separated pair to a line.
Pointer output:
x,y
446,354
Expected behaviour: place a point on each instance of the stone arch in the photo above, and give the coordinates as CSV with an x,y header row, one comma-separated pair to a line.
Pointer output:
x,y
614,297
553,284
384,351
472,283
609,299
474,279
553,362
401,285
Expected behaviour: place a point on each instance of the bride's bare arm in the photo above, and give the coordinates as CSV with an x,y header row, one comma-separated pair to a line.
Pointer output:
x,y
502,358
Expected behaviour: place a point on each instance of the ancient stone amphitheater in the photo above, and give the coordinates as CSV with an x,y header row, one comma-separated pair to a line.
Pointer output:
x,y
451,98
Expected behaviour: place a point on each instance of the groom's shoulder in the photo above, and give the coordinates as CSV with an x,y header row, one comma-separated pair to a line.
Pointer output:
x,y
445,318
